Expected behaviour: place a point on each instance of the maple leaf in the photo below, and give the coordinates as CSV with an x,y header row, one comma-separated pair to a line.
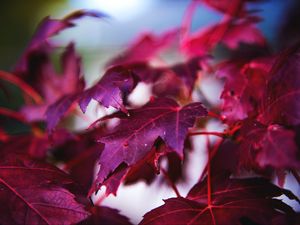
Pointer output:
x,y
241,78
177,80
35,66
54,87
281,100
79,154
106,216
108,91
57,110
39,45
33,192
135,135
230,7
145,47
271,145
118,81
147,168
230,32
233,201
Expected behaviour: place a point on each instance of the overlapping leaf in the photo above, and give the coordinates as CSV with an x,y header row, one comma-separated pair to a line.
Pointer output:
x,y
272,146
242,77
229,32
233,201
119,81
281,103
54,87
39,46
230,7
110,89
106,216
146,47
135,135
33,192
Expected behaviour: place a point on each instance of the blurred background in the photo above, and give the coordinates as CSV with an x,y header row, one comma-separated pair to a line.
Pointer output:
x,y
98,40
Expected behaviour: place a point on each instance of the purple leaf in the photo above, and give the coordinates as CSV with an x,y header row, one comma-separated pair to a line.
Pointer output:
x,y
281,103
32,193
132,139
105,216
272,146
47,29
233,201
109,90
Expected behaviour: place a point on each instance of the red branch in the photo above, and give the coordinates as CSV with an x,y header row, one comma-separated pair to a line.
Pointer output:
x,y
12,114
22,85
165,173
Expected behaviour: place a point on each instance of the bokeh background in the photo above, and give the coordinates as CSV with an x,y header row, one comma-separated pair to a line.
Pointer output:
x,y
99,40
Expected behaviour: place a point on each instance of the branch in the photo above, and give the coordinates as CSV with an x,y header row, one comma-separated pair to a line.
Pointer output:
x,y
173,186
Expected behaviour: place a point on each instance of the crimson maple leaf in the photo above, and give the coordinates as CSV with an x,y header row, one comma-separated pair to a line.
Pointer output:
x,y
39,46
33,192
230,32
109,90
53,87
281,102
241,78
272,145
231,7
105,216
135,135
233,201
145,47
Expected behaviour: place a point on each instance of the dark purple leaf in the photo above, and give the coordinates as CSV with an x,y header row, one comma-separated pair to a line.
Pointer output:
x,y
105,216
272,146
230,33
281,103
46,29
33,193
132,139
109,90
233,201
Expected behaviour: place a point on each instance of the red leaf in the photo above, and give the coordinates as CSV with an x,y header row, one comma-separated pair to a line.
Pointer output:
x,y
57,110
177,80
46,29
80,154
242,77
105,216
132,139
62,88
269,146
230,7
33,193
234,201
147,168
281,103
108,91
230,33
146,47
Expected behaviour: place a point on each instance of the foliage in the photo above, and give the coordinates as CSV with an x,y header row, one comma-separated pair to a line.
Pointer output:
x,y
260,110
